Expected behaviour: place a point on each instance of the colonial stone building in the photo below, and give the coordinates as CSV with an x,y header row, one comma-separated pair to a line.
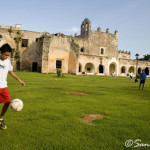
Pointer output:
x,y
91,52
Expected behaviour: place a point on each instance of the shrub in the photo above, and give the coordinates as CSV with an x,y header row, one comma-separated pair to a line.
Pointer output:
x,y
59,72
83,72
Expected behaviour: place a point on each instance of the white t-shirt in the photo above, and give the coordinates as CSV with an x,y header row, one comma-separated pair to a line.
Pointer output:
x,y
131,74
5,67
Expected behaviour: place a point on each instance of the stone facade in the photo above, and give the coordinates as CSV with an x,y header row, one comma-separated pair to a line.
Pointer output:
x,y
91,52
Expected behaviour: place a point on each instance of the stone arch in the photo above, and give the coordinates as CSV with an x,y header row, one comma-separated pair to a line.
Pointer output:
x,y
123,69
112,68
101,68
89,68
147,71
139,70
132,70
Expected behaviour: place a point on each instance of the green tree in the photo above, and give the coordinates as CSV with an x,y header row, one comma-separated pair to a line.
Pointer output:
x,y
146,57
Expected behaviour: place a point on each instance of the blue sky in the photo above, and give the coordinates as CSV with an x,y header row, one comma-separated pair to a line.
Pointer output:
x,y
130,17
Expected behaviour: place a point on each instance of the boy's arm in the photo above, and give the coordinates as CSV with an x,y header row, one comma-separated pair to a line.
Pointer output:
x,y
13,75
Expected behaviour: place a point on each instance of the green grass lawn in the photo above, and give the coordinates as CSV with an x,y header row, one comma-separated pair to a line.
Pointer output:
x,y
50,117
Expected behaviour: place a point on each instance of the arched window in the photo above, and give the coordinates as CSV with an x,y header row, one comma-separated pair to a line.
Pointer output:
x,y
82,49
102,50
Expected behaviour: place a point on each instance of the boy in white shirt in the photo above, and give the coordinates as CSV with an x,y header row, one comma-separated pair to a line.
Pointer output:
x,y
5,68
130,74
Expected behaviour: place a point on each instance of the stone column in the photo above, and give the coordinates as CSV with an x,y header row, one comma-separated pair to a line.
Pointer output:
x,y
45,53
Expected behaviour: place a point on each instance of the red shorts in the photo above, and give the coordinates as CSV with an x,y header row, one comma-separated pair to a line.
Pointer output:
x,y
4,95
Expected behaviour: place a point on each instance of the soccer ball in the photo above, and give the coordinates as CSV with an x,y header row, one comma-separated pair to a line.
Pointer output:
x,y
16,104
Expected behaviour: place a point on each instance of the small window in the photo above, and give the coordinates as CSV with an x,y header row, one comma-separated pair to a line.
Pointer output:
x,y
82,49
37,40
102,51
58,64
1,36
24,42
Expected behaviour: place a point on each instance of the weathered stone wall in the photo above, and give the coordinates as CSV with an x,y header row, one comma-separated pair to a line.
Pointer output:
x,y
98,40
45,53
32,53
92,52
59,50
29,54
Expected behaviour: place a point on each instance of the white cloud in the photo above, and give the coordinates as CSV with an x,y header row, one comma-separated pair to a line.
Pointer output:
x,y
73,29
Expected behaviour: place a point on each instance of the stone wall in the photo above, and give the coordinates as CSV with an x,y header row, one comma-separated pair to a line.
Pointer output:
x,y
59,50
92,52
29,54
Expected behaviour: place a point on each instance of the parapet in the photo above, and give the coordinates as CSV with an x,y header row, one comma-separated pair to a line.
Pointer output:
x,y
99,29
18,26
107,30
124,52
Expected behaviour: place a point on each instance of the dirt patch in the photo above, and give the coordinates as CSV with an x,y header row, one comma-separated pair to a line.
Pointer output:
x,y
76,93
91,117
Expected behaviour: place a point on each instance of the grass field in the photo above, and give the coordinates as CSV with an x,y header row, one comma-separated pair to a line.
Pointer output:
x,y
50,118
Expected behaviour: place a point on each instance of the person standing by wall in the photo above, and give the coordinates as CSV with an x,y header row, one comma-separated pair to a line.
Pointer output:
x,y
142,79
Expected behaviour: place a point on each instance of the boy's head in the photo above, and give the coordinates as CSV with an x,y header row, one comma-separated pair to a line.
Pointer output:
x,y
5,48
5,51
143,70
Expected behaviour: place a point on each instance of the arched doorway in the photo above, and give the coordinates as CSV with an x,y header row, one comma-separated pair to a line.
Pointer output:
x,y
131,69
147,71
123,69
34,66
112,68
80,67
139,71
101,69
89,68
18,65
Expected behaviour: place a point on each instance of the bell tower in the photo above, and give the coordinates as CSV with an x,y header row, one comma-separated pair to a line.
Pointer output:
x,y
85,28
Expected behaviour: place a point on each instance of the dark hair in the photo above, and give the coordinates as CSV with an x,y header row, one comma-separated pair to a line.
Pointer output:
x,y
5,48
